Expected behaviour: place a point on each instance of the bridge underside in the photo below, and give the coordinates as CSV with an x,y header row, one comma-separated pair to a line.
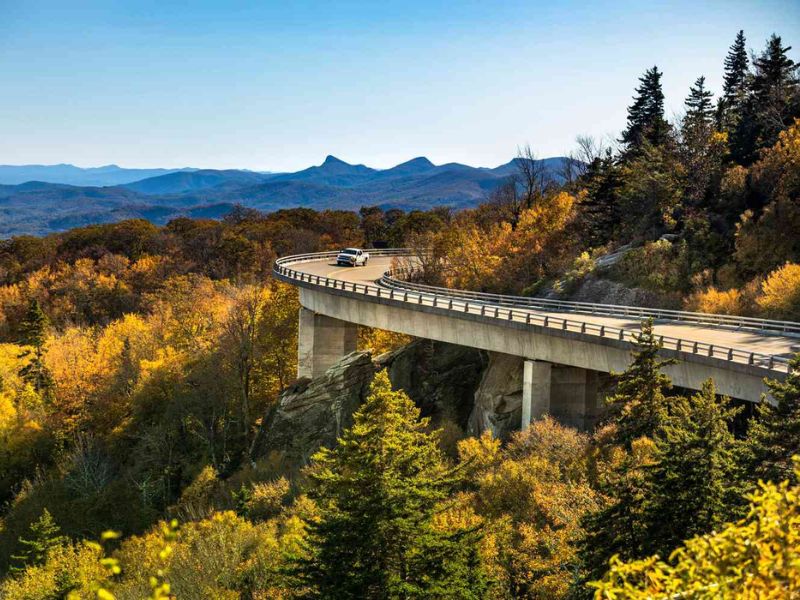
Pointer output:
x,y
328,331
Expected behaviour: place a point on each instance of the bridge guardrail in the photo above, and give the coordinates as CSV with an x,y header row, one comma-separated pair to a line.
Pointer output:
x,y
503,312
390,279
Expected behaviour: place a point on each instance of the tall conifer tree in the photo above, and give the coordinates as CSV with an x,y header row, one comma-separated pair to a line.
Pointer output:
x,y
646,123
735,85
639,408
692,484
775,90
774,435
378,491
639,405
676,481
699,152
773,101
34,334
600,210
699,108
44,535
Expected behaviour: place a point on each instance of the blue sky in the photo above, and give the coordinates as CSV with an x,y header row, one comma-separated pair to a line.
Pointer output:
x,y
279,85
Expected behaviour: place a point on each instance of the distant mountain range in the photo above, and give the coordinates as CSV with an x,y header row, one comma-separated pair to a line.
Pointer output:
x,y
59,197
72,175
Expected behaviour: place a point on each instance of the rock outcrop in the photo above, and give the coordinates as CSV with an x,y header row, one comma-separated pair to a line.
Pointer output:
x,y
313,412
463,390
605,291
498,399
441,378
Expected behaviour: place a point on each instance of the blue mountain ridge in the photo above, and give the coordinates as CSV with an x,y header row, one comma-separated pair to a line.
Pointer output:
x,y
40,207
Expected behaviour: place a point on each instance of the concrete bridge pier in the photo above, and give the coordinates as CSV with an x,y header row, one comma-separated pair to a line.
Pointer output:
x,y
536,382
575,397
322,341
569,394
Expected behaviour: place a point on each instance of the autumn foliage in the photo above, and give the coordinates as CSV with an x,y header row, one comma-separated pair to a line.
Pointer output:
x,y
758,557
139,364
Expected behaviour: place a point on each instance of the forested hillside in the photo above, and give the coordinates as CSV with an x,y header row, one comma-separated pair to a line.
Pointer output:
x,y
137,363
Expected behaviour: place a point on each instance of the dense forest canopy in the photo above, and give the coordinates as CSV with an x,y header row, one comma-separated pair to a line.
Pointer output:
x,y
137,363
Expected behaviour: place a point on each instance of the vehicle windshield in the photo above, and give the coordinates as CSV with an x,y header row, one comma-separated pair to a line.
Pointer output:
x,y
349,251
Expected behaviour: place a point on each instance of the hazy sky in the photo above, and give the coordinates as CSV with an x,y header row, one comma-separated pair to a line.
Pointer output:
x,y
279,85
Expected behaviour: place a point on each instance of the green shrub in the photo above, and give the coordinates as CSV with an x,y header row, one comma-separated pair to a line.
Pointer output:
x,y
659,266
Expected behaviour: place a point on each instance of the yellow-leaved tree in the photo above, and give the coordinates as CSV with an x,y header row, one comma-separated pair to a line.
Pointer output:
x,y
780,293
757,557
766,240
532,493
715,301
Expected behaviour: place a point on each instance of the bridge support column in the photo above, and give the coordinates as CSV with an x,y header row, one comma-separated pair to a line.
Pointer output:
x,y
536,377
575,398
321,342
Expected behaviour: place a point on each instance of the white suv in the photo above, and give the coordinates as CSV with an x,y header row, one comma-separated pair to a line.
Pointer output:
x,y
352,257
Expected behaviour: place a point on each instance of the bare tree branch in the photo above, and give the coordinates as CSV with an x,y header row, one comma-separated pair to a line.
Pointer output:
x,y
532,176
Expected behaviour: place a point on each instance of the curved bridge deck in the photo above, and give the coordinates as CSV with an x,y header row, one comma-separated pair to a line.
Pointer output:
x,y
738,358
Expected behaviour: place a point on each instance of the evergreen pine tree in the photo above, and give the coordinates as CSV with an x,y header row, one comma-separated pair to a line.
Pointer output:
x,y
679,484
44,535
697,149
773,101
639,405
639,409
774,434
127,368
737,66
600,210
775,73
735,85
692,483
775,91
34,326
699,108
378,491
646,121
33,331
619,528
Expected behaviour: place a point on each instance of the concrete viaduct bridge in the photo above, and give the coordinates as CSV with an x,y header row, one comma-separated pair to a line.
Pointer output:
x,y
564,345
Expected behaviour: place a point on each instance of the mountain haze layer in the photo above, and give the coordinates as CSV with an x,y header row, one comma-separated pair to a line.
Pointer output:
x,y
72,175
